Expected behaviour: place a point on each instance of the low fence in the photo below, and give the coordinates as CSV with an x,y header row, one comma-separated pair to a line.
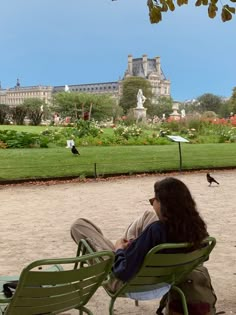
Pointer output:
x,y
124,167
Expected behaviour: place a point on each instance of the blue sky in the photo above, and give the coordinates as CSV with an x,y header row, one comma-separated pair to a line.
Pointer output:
x,y
58,42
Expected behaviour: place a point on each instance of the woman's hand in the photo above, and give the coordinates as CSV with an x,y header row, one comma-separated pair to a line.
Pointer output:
x,y
121,243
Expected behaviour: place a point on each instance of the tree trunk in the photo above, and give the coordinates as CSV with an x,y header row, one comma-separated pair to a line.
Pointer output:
x,y
90,110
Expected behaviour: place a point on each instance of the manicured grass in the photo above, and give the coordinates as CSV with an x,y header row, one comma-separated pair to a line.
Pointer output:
x,y
31,129
54,162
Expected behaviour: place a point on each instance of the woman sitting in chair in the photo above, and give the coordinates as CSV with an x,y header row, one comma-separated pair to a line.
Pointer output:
x,y
175,219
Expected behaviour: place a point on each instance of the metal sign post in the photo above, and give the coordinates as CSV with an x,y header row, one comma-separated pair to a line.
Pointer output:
x,y
179,140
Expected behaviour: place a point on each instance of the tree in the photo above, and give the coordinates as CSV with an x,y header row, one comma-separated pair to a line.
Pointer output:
x,y
232,101
66,104
103,106
157,7
209,102
162,106
130,87
225,109
4,110
18,114
77,105
34,109
117,112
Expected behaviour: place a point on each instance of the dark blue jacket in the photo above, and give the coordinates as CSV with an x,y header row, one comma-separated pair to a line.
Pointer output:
x,y
128,261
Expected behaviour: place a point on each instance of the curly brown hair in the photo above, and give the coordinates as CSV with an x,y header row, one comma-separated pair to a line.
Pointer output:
x,y
179,212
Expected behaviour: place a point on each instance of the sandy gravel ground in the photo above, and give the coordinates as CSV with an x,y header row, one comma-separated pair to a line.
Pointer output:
x,y
36,219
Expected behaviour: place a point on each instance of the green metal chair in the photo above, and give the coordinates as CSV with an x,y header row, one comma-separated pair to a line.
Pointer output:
x,y
43,290
163,264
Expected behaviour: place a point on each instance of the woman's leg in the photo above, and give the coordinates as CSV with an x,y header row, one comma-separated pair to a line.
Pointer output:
x,y
85,229
137,227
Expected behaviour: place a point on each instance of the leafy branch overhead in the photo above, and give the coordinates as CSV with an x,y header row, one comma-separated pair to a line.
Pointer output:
x,y
157,7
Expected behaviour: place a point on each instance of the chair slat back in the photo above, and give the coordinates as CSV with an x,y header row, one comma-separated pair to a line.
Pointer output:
x,y
166,264
53,292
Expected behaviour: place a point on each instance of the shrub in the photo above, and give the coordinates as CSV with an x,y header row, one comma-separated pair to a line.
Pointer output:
x,y
128,131
87,128
16,139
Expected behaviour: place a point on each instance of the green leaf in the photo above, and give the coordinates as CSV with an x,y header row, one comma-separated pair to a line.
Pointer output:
x,y
180,2
230,9
212,11
150,4
155,14
198,3
170,5
164,7
225,15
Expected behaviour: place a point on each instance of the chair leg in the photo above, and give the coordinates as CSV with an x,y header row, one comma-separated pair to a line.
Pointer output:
x,y
136,302
183,299
84,310
111,305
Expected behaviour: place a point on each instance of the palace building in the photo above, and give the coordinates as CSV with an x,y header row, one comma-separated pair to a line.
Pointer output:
x,y
149,69
16,95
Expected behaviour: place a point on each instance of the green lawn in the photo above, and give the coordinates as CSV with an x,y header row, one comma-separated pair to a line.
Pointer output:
x,y
38,129
54,162
33,129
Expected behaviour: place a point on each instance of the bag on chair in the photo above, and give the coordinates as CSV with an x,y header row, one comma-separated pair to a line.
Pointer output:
x,y
199,294
9,288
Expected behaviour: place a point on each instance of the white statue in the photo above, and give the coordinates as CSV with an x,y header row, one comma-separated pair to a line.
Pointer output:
x,y
140,99
41,109
183,113
67,89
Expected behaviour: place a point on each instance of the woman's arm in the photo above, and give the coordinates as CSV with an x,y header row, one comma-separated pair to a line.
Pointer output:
x,y
129,257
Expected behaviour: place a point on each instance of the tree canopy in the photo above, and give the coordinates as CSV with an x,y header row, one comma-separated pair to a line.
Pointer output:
x,y
4,110
34,110
130,87
158,7
209,102
162,105
75,104
232,101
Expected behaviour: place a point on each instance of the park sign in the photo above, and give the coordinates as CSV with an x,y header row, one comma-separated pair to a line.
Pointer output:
x,y
178,139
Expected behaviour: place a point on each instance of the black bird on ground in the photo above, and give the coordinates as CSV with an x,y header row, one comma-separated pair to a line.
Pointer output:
x,y
74,150
211,180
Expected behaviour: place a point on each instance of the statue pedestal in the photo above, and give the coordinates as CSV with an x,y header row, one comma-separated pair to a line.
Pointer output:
x,y
175,115
140,113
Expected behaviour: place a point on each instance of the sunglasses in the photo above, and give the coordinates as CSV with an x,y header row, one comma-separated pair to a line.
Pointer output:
x,y
152,201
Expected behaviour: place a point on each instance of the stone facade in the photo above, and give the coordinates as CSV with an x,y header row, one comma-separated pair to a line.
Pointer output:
x,y
16,96
149,69
92,88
